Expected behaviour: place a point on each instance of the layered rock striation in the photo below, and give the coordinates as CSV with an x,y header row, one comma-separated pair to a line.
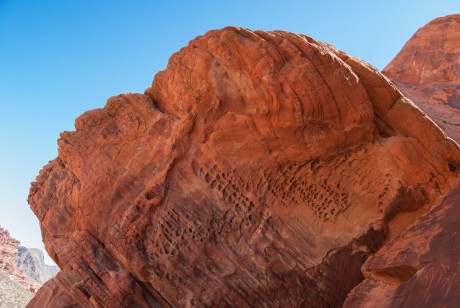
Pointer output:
x,y
427,70
260,169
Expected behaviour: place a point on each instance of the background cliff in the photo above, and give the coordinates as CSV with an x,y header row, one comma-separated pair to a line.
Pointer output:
x,y
18,283
31,261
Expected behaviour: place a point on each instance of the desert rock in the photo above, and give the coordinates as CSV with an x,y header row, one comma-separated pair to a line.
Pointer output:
x,y
427,70
31,261
419,268
260,169
62,291
8,254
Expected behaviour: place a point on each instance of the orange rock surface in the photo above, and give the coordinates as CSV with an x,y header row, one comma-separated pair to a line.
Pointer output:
x,y
421,266
427,70
260,169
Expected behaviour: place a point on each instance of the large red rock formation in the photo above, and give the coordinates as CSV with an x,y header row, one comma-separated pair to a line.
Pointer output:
x,y
421,267
8,254
427,70
260,169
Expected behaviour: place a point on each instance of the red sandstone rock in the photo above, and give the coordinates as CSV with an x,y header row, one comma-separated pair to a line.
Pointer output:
x,y
260,169
61,291
8,254
420,267
427,70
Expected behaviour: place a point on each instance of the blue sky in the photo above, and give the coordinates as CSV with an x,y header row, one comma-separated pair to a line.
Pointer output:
x,y
61,58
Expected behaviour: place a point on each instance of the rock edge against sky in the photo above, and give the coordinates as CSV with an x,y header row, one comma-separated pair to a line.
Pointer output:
x,y
261,168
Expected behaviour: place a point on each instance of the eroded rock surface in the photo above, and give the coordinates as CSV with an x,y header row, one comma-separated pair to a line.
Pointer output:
x,y
260,169
62,291
419,268
427,70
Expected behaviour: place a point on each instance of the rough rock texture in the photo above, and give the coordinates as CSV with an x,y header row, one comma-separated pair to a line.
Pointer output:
x,y
419,268
62,291
427,70
8,253
31,261
260,169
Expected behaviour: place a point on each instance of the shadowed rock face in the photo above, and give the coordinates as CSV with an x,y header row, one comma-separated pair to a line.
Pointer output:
x,y
420,268
427,70
261,168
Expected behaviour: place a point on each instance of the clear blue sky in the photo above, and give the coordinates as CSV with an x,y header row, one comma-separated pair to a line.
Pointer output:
x,y
61,58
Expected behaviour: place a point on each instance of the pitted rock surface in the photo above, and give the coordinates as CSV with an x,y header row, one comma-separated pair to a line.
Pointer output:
x,y
260,169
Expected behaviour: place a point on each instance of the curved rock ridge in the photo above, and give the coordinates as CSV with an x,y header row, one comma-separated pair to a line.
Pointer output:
x,y
260,169
427,70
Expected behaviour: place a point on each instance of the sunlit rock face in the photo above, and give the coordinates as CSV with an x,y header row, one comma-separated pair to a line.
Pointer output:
x,y
421,267
427,70
259,169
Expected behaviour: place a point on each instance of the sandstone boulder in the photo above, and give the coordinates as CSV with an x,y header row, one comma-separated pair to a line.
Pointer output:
x,y
260,169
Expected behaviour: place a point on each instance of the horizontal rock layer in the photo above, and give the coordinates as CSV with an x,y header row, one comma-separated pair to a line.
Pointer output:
x,y
261,168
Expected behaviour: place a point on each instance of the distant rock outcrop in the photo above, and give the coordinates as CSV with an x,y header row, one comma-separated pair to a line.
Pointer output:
x,y
32,262
427,70
16,288
260,169
8,253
